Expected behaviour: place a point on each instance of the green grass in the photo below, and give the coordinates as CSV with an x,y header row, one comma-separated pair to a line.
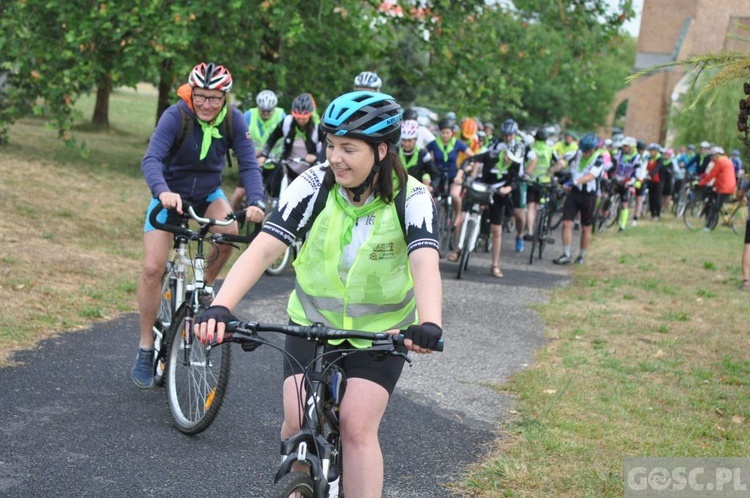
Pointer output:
x,y
655,364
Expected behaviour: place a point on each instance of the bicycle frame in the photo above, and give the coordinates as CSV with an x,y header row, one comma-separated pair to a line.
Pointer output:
x,y
317,445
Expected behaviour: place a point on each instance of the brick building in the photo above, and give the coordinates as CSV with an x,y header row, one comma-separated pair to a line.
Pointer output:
x,y
675,30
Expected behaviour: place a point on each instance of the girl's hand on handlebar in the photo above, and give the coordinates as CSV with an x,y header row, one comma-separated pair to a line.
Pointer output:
x,y
170,200
423,338
212,322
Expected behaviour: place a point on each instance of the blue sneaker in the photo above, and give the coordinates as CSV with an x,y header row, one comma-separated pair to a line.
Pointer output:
x,y
519,244
143,369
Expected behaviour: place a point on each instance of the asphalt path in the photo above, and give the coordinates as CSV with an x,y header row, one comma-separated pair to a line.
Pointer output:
x,y
72,423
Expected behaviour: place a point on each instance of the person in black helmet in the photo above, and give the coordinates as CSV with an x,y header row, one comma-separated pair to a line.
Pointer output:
x,y
337,273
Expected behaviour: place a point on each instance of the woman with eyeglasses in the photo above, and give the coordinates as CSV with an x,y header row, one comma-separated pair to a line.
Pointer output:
x,y
184,160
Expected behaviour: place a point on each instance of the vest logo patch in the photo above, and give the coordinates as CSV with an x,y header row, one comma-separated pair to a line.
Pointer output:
x,y
383,252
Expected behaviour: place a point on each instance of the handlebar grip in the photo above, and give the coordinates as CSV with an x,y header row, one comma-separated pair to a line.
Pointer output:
x,y
175,229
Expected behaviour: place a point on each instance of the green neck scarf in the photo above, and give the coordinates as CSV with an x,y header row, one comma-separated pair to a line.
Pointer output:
x,y
585,161
353,213
446,149
211,131
412,161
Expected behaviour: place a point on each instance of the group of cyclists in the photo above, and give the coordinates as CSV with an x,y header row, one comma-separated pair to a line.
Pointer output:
x,y
361,194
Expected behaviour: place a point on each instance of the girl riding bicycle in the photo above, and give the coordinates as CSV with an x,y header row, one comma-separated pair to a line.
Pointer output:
x,y
358,269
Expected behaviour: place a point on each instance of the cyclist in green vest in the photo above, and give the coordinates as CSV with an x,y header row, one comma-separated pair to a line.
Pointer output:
x,y
359,268
417,161
546,164
261,121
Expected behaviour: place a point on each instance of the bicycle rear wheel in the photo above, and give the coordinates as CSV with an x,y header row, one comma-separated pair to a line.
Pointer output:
x,y
196,378
445,226
693,215
293,485
537,235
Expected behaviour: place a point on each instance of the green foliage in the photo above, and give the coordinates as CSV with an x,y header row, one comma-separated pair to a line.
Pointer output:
x,y
538,61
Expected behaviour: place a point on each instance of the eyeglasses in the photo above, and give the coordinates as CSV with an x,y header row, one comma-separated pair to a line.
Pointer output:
x,y
201,99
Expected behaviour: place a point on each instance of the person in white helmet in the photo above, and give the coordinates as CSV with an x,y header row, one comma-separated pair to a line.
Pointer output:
x,y
368,81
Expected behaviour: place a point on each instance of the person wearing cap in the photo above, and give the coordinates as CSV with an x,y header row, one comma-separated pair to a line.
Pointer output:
x,y
654,180
725,182
359,269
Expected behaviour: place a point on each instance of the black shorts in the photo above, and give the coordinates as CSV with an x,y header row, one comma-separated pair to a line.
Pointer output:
x,y
582,202
747,232
382,370
501,207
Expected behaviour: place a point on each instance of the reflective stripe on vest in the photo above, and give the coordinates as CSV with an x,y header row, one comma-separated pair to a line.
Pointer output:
x,y
378,291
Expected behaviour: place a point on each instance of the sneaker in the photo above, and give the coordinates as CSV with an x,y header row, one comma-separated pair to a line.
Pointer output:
x,y
621,229
634,223
579,260
528,237
143,369
519,244
562,260
743,285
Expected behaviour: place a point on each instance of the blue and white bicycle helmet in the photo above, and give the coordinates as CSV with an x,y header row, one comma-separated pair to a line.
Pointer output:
x,y
266,100
509,127
369,116
588,142
368,79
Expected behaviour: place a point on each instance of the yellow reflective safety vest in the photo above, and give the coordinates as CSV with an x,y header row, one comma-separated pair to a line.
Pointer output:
x,y
375,295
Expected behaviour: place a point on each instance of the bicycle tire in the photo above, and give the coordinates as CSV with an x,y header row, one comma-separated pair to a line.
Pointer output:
x,y
693,215
738,219
614,211
556,214
162,324
544,232
536,236
444,227
294,482
463,260
195,390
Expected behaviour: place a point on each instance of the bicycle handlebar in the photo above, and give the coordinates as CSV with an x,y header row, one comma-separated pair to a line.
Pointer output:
x,y
248,332
189,211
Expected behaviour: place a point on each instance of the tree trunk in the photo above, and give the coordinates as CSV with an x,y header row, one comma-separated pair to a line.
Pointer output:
x,y
165,89
101,109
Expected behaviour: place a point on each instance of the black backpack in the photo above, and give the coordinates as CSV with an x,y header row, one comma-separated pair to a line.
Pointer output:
x,y
187,123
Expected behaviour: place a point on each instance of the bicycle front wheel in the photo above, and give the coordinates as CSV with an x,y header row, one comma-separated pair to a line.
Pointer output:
x,y
196,378
738,219
614,211
293,485
472,230
693,215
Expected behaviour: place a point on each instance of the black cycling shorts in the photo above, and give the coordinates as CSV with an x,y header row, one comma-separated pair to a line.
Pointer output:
x,y
582,202
747,232
382,370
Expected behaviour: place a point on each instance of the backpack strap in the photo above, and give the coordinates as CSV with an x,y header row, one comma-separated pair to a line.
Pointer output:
x,y
186,127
